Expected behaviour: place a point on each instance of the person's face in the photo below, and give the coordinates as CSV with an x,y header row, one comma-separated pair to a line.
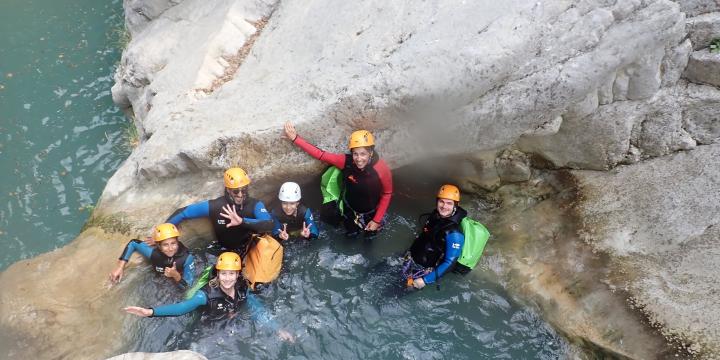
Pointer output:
x,y
228,278
445,207
169,246
289,207
361,156
237,195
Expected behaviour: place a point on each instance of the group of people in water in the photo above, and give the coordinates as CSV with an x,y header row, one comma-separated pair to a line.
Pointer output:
x,y
240,222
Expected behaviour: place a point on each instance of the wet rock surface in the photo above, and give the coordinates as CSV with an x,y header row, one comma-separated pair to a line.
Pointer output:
x,y
658,221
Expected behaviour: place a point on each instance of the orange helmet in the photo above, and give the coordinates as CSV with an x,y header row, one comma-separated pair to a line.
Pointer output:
x,y
228,261
236,178
361,138
450,192
165,231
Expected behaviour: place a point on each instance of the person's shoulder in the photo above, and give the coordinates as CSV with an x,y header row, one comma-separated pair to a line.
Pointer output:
x,y
381,166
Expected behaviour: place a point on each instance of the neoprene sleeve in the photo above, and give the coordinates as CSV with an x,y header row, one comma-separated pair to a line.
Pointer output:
x,y
453,248
193,211
133,246
181,308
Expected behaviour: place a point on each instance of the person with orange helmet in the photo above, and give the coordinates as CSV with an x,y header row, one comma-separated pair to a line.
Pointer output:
x,y
170,257
221,298
235,216
366,178
438,246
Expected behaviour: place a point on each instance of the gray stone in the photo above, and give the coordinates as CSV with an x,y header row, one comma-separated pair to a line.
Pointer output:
x,y
660,220
701,113
139,13
674,63
513,166
698,7
704,68
703,29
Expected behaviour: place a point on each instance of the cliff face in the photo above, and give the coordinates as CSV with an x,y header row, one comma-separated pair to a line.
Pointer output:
x,y
586,85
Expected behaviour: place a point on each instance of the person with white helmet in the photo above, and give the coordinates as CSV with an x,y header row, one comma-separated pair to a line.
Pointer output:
x,y
292,218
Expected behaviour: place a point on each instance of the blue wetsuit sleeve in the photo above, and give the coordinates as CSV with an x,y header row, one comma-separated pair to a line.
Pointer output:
x,y
262,222
309,220
453,248
277,226
181,308
133,246
193,211
258,312
188,275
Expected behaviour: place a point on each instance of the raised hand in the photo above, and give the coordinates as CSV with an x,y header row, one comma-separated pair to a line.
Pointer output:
x,y
290,132
149,240
283,233
139,311
305,231
172,273
229,212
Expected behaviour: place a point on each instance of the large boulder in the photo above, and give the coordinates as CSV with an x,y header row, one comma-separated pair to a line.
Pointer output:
x,y
659,220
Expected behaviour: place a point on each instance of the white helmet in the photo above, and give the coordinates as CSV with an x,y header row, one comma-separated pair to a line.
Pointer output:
x,y
289,191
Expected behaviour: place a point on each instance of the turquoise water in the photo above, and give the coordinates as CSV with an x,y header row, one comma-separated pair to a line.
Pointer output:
x,y
61,137
344,299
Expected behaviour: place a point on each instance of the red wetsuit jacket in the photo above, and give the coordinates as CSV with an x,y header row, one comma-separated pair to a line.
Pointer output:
x,y
366,189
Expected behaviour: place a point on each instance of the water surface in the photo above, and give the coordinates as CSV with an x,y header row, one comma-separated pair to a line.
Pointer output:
x,y
61,136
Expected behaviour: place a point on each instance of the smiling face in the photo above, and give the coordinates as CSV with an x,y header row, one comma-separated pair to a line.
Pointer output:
x,y
169,246
361,156
290,207
445,207
227,279
237,195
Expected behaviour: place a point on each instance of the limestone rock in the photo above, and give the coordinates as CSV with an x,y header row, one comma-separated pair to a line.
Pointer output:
x,y
513,166
704,68
139,13
701,113
659,219
676,118
698,7
703,29
366,69
674,63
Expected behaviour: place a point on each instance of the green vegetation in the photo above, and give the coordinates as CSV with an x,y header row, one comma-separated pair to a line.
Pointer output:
x,y
119,37
715,45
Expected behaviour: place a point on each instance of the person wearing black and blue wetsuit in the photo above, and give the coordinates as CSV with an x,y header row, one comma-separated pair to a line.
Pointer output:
x,y
439,245
292,218
170,258
235,216
221,298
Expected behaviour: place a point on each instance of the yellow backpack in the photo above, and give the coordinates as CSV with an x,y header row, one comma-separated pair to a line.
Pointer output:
x,y
263,261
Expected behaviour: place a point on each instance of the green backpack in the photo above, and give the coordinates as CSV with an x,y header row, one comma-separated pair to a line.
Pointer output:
x,y
200,282
476,236
331,186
